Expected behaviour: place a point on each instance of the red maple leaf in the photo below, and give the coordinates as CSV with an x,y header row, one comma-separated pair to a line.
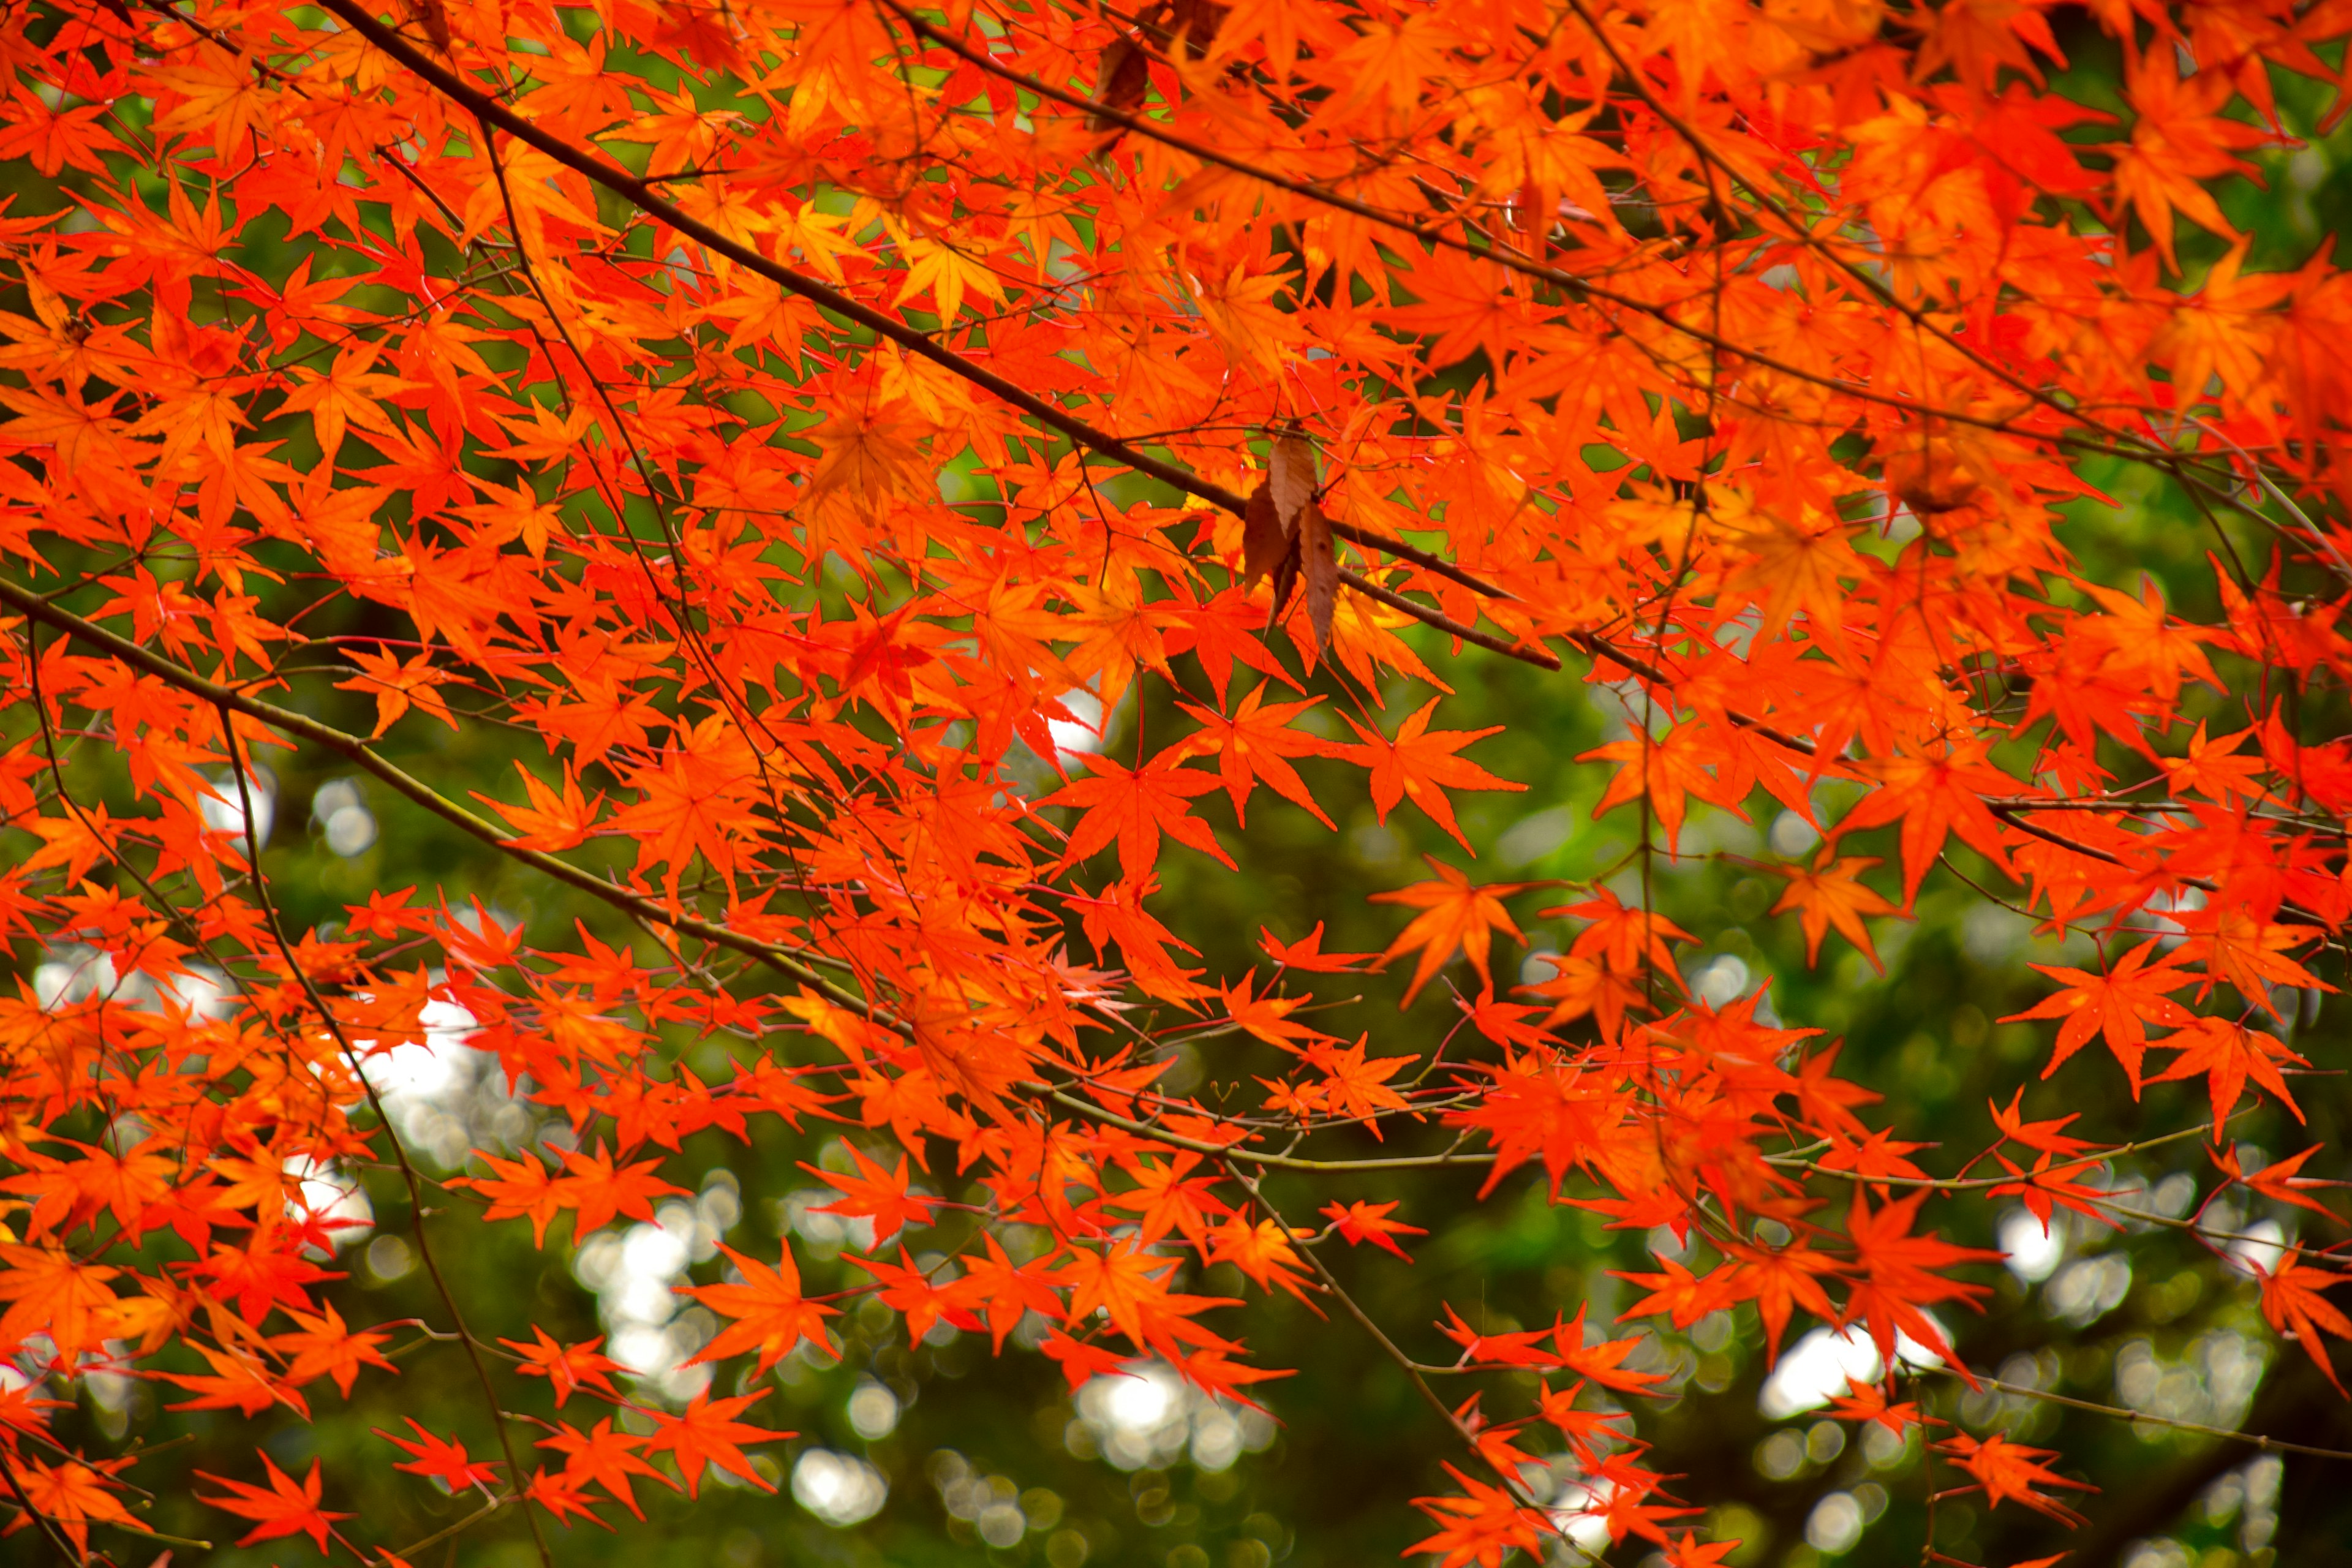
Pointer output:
x,y
1419,765
445,1459
281,1508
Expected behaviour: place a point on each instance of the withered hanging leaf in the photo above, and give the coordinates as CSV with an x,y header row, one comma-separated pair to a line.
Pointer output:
x,y
1285,577
1321,566
1290,473
436,17
1265,541
1197,22
1126,76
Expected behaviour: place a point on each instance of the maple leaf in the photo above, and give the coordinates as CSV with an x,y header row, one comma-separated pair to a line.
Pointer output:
x,y
1664,771
1901,1275
2291,1302
732,496
1687,1551
2249,952
599,1190
1683,1296
2042,1187
284,1506
1257,742
707,1433
1581,1427
1009,1292
694,805
1307,953
2049,1137
1625,936
444,1460
2119,1004
521,1187
1826,1100
77,840
1778,1280
1933,795
1355,1086
51,1291
1167,1197
70,1495
1456,917
397,686
770,1315
1080,1361
2010,1472
551,822
1419,765
2228,1054
239,1382
1492,1441
1134,806
2278,1180
875,1193
1481,1527
1833,894
1603,1361
563,1494
1264,1253
1868,1402
2211,771
2176,140
567,1368
1360,1222
605,1456
1265,1016
325,1344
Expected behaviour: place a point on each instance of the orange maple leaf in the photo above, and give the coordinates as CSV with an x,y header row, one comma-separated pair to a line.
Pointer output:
x,y
1833,894
397,686
1134,806
551,821
1482,1527
2119,1004
707,1433
2228,1053
876,1193
770,1314
568,1368
281,1508
1456,917
443,1459
2008,1471
1264,1253
1419,765
2291,1302
1360,1222
604,1456
1933,795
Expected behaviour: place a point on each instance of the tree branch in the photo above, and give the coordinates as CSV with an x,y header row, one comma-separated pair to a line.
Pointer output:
x,y
642,195
781,958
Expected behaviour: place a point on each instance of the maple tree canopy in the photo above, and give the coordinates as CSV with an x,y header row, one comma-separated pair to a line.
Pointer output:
x,y
776,543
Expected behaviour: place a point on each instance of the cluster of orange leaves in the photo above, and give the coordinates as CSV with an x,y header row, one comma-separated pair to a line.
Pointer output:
x,y
566,351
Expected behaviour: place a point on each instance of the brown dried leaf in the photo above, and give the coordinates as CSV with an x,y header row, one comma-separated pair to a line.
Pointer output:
x,y
1126,76
1197,22
1285,577
1290,473
1265,541
1320,564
